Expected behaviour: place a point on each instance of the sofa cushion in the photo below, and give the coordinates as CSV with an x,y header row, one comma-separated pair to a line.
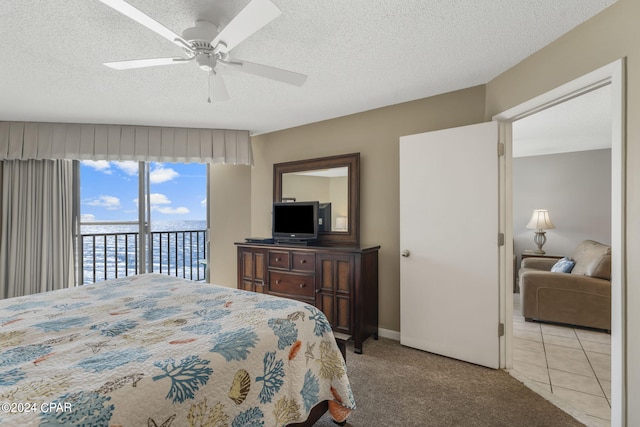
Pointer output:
x,y
564,265
592,259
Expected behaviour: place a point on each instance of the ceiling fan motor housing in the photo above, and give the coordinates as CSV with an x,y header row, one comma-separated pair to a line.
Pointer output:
x,y
200,37
203,31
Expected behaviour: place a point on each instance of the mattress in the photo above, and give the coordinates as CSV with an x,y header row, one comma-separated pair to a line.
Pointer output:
x,y
154,350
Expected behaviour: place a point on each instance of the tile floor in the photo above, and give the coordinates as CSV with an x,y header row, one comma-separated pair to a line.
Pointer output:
x,y
570,366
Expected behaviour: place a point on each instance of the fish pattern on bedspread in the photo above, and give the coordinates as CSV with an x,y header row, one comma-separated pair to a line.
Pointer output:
x,y
155,350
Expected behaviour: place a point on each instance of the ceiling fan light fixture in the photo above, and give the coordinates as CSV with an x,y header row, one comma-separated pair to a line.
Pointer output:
x,y
206,61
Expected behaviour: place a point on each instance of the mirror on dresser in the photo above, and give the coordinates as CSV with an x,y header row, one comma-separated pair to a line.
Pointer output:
x,y
335,183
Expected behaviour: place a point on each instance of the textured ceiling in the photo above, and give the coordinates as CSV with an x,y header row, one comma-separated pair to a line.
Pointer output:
x,y
358,54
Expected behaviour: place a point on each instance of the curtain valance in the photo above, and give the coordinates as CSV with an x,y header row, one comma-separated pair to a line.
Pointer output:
x,y
28,141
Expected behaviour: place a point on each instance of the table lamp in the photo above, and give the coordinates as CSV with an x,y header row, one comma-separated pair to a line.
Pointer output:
x,y
540,221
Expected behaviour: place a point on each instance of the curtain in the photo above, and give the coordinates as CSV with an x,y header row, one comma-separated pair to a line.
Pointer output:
x,y
36,186
36,228
26,141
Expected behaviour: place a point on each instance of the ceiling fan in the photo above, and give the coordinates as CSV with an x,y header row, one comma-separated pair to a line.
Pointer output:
x,y
208,47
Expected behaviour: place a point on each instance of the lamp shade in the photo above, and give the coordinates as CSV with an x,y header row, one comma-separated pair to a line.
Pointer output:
x,y
540,220
341,223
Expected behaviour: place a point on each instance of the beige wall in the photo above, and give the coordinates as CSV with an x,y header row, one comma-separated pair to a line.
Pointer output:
x,y
610,35
229,220
306,188
375,135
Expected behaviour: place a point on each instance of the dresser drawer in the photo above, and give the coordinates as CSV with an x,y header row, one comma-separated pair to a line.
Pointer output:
x,y
303,261
279,259
291,284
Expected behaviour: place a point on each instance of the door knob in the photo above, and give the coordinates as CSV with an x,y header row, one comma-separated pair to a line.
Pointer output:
x,y
405,253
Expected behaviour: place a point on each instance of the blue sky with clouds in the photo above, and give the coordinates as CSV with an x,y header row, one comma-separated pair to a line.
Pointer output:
x,y
109,191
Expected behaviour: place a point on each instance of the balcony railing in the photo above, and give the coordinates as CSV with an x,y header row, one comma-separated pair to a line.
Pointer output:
x,y
112,255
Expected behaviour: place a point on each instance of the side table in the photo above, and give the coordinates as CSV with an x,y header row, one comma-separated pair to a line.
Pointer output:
x,y
532,254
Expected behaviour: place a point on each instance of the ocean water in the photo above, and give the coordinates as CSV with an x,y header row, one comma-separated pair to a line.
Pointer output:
x,y
178,248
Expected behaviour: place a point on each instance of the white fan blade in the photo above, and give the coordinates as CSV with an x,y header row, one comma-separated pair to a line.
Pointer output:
x,y
254,16
284,76
218,90
142,63
138,16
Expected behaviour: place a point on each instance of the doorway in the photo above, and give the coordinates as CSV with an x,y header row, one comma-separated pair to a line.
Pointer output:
x,y
612,75
562,163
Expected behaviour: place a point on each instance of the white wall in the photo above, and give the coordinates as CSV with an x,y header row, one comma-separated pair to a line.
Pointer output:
x,y
576,190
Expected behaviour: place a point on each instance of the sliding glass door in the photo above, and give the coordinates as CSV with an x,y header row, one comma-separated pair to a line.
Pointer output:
x,y
138,217
177,208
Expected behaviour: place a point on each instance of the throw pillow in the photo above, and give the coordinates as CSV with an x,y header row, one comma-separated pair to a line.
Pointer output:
x,y
564,265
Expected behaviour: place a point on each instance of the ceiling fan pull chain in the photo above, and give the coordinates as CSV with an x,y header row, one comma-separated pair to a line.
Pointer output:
x,y
209,81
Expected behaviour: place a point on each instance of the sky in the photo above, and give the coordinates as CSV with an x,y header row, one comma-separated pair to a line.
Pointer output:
x,y
109,191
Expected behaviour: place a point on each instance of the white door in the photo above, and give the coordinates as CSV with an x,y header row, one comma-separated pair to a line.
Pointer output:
x,y
449,269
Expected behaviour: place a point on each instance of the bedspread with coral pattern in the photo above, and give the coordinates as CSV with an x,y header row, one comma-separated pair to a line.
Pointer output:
x,y
154,350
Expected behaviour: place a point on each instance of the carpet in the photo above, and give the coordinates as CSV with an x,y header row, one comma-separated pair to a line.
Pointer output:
x,y
400,386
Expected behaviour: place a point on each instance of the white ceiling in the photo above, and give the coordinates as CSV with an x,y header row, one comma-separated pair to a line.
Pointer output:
x,y
580,124
358,54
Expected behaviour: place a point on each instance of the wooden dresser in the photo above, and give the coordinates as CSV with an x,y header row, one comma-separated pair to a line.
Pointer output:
x,y
340,281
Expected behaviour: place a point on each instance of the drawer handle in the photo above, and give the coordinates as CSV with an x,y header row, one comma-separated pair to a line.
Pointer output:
x,y
303,261
278,281
302,285
277,259
317,291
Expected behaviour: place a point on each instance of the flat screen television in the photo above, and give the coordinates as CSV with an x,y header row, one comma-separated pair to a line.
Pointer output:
x,y
295,221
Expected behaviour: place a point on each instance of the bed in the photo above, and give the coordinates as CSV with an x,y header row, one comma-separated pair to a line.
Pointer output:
x,y
154,350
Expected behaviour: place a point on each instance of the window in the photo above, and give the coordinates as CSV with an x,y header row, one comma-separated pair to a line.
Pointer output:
x,y
141,217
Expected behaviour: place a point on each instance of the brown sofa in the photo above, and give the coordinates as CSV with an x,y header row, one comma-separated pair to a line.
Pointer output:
x,y
581,297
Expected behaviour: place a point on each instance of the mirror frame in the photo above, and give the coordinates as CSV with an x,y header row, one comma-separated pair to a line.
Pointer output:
x,y
352,162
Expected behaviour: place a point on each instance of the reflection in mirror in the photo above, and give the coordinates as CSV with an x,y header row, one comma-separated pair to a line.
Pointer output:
x,y
328,186
326,180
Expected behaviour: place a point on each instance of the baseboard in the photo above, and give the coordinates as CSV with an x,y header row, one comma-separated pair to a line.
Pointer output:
x,y
387,333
